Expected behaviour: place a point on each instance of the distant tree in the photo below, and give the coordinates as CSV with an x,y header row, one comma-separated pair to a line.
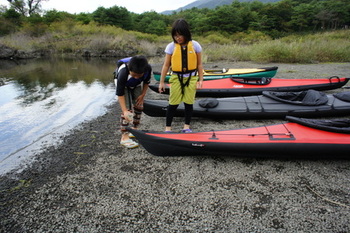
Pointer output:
x,y
225,19
248,14
333,14
324,18
150,22
156,27
273,17
298,2
199,21
84,18
196,18
303,17
10,21
26,7
116,16
56,16
13,16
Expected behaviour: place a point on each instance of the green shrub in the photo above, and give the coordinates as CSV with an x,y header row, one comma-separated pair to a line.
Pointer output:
x,y
217,38
250,37
228,52
7,27
100,44
34,30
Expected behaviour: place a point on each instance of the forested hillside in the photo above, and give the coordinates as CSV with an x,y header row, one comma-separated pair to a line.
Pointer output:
x,y
272,19
211,4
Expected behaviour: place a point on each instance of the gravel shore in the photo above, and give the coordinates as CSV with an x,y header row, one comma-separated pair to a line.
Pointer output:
x,y
89,183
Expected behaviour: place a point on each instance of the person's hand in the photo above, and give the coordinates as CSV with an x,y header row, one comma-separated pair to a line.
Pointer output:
x,y
139,101
199,84
161,88
128,116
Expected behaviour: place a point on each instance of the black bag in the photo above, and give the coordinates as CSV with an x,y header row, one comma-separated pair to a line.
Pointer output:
x,y
208,103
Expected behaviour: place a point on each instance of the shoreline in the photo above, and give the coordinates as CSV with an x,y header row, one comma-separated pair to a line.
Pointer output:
x,y
90,183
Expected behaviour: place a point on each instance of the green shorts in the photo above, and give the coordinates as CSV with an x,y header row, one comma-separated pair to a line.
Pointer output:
x,y
176,96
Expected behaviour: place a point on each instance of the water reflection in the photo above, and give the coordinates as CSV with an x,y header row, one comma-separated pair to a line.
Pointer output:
x,y
41,99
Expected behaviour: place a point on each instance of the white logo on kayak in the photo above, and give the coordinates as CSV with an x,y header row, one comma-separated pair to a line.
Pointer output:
x,y
237,86
198,144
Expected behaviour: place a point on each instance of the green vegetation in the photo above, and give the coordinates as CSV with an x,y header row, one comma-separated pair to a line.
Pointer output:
x,y
320,47
22,184
285,31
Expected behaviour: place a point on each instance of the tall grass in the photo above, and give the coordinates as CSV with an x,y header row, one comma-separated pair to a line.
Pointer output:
x,y
70,37
321,47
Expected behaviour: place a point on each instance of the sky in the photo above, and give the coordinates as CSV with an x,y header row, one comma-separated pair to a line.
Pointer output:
x,y
136,6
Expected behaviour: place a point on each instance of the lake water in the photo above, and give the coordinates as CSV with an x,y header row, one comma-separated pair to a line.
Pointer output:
x,y
41,99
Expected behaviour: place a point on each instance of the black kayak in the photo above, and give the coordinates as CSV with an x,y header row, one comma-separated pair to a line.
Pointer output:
x,y
275,105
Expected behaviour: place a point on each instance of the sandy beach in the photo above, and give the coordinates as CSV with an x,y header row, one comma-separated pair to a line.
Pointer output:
x,y
89,183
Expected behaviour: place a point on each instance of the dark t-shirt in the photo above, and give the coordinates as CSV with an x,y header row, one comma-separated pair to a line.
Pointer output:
x,y
125,80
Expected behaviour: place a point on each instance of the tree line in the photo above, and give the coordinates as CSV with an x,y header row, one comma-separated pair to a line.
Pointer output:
x,y
274,19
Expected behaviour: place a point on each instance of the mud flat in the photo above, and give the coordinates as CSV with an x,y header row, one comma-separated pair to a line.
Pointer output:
x,y
91,184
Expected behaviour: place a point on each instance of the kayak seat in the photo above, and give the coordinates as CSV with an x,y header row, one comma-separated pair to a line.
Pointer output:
x,y
252,80
307,98
344,96
332,125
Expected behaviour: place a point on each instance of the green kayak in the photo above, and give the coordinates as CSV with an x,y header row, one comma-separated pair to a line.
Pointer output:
x,y
267,72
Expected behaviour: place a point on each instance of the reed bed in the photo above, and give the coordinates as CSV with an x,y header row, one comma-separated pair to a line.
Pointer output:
x,y
70,37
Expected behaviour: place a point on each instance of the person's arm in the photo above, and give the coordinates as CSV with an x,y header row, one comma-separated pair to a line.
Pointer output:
x,y
127,114
122,103
165,69
200,70
121,81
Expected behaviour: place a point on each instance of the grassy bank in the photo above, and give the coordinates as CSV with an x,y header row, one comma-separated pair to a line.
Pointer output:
x,y
72,38
321,47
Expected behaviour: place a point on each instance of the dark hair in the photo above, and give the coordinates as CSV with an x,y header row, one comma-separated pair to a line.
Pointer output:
x,y
181,27
138,64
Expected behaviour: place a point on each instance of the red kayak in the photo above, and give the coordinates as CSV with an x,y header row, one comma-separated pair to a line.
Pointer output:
x,y
299,138
230,87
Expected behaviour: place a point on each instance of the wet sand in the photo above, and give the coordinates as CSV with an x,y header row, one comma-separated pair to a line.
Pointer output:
x,y
89,183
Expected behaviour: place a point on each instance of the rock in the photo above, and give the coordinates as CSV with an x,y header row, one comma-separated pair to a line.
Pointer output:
x,y
11,53
6,52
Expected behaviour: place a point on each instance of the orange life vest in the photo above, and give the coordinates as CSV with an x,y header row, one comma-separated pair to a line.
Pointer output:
x,y
184,58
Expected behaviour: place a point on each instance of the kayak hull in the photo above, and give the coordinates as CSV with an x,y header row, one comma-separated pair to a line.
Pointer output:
x,y
253,107
283,141
230,88
267,72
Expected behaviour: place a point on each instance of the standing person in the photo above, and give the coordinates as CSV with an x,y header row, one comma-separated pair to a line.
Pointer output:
x,y
184,56
133,79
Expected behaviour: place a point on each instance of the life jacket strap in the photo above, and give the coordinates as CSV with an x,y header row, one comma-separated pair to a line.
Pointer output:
x,y
180,76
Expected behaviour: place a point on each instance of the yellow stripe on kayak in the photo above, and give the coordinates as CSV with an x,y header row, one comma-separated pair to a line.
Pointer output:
x,y
235,71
